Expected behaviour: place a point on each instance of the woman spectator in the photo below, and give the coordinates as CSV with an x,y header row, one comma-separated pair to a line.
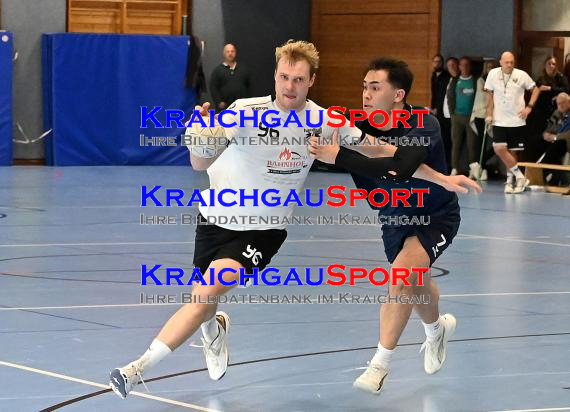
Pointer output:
x,y
550,83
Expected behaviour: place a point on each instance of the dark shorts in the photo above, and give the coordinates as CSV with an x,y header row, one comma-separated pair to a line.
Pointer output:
x,y
435,237
514,137
251,248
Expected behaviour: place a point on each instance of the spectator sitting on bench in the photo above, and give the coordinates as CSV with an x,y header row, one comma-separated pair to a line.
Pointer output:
x,y
558,134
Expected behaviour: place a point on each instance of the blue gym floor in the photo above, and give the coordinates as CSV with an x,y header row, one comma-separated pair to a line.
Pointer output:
x,y
71,247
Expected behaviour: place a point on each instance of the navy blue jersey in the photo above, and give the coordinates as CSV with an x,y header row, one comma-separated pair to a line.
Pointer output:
x,y
439,201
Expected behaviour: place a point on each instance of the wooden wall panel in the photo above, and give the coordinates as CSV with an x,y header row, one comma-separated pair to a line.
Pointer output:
x,y
349,37
373,6
126,16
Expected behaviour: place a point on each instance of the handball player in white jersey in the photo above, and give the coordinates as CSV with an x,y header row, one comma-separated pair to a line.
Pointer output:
x,y
247,246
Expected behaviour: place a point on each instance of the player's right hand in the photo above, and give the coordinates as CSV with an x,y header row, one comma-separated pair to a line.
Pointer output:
x,y
203,109
489,120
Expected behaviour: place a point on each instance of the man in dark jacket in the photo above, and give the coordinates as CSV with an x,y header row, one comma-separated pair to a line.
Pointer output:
x,y
228,81
439,81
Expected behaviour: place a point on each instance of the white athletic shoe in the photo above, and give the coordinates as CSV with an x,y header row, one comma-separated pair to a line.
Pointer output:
x,y
509,186
372,380
474,170
484,175
521,184
216,352
123,380
436,351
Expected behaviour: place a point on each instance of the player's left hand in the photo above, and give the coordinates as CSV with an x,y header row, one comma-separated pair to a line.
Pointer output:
x,y
324,152
460,184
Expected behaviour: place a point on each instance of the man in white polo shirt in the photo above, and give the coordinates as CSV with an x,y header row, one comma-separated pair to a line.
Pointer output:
x,y
505,87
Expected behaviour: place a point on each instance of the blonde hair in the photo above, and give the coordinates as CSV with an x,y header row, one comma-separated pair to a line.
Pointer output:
x,y
295,51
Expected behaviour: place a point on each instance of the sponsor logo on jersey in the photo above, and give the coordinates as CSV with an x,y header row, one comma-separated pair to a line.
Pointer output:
x,y
288,162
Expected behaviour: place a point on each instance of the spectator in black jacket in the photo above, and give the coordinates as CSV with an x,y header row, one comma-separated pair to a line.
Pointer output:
x,y
452,65
439,81
229,82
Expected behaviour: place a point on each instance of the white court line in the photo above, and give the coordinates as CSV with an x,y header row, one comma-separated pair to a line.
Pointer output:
x,y
461,295
539,242
99,385
127,305
96,244
567,408
460,236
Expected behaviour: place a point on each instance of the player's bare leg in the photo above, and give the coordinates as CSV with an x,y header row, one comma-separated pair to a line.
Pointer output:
x,y
394,316
183,324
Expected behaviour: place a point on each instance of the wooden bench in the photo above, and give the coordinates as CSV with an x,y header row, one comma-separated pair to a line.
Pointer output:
x,y
534,173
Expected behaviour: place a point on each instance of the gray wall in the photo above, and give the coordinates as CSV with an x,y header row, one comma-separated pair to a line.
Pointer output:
x,y
28,19
538,17
208,26
256,27
479,28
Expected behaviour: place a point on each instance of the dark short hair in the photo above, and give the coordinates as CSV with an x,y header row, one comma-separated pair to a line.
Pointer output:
x,y
399,74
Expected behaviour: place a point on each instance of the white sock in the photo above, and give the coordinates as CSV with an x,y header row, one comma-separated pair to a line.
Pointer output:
x,y
433,330
210,329
156,352
382,356
517,172
509,176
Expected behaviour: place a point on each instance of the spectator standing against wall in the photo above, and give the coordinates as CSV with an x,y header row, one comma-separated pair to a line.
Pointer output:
x,y
452,65
229,81
439,82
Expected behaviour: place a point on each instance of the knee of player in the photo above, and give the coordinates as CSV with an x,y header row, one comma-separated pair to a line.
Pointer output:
x,y
205,297
402,286
499,148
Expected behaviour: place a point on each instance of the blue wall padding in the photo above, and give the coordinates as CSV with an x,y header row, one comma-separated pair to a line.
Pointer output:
x,y
6,52
94,87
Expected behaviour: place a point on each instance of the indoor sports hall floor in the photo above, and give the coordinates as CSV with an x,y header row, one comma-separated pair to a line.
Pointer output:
x,y
71,247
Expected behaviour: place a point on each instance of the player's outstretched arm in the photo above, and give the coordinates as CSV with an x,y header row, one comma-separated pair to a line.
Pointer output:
x,y
401,166
400,163
459,183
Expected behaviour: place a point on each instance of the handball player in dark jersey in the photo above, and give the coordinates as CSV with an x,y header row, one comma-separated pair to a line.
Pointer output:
x,y
409,242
